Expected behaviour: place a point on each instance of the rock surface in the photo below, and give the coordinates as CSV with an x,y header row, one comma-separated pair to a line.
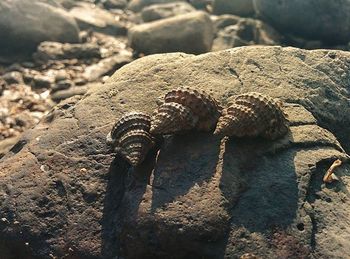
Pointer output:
x,y
21,30
190,33
161,11
238,7
62,193
138,5
321,20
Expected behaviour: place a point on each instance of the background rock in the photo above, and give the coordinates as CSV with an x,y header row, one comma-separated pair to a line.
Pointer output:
x,y
138,5
63,193
237,7
21,31
321,20
161,11
190,33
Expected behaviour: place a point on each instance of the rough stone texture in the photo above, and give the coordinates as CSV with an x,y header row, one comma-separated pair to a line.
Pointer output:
x,y
97,19
138,5
161,11
21,31
190,33
318,20
244,32
237,7
62,192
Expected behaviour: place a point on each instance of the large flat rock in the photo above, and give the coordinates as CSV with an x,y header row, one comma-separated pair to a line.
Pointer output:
x,y
62,193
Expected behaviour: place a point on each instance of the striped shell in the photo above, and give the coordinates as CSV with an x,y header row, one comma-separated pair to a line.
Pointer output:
x,y
189,109
131,138
251,115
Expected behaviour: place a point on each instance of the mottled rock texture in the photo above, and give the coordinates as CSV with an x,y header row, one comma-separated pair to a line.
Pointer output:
x,y
316,20
62,192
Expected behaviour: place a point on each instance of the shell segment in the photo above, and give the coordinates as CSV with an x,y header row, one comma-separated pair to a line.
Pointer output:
x,y
252,114
198,111
131,138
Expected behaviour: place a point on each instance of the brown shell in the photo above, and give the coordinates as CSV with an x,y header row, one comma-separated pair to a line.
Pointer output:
x,y
201,104
252,114
131,138
171,118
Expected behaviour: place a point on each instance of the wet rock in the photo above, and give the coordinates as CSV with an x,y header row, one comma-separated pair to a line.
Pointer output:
x,y
245,32
115,4
200,196
238,7
60,95
13,77
322,20
54,51
138,5
168,35
105,67
21,32
91,17
161,11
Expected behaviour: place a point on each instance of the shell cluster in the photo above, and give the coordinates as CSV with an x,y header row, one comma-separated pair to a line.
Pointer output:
x,y
251,115
130,137
184,109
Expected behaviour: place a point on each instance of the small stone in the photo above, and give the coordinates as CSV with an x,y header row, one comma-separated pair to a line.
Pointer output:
x,y
41,81
13,77
161,11
61,85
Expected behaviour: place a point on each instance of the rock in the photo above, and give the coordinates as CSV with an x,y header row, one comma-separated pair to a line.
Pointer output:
x,y
21,32
91,17
302,18
105,66
245,32
115,4
222,21
161,11
61,85
59,95
42,81
201,4
138,5
238,7
7,144
54,51
65,194
13,77
168,35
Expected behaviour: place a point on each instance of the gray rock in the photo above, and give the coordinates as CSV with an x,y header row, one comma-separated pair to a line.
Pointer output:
x,y
222,21
237,7
138,5
63,193
61,85
25,24
161,11
190,33
91,17
59,95
42,81
246,32
13,77
316,20
115,4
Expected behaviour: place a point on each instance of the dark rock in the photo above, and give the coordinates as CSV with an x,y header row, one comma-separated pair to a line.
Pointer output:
x,y
138,5
238,7
65,194
222,21
169,35
13,77
246,32
201,4
60,95
321,20
105,67
115,4
42,81
21,31
161,11
54,50
61,85
91,17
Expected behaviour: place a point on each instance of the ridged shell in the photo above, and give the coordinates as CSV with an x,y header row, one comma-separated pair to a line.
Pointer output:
x,y
172,118
252,114
131,138
202,106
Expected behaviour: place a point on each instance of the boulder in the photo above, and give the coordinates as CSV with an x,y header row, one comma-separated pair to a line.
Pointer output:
x,y
321,20
161,11
91,17
138,5
244,32
64,194
237,7
190,33
21,31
